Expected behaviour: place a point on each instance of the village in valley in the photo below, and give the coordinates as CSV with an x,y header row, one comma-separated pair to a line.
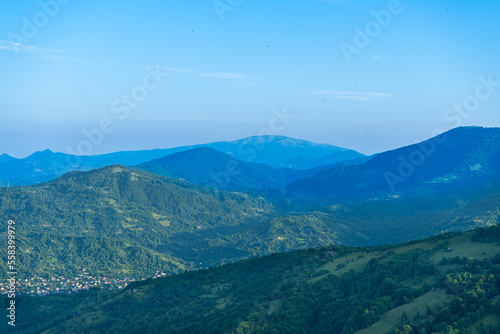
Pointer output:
x,y
39,286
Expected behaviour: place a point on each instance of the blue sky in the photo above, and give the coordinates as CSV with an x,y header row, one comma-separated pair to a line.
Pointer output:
x,y
66,64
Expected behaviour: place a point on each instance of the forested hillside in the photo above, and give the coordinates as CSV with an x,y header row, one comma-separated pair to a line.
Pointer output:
x,y
135,223
208,167
449,283
119,220
463,161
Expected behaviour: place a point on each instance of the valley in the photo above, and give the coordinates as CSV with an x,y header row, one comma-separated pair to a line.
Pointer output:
x,y
252,249
249,167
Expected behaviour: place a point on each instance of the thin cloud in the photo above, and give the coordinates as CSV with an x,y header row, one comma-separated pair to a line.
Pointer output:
x,y
358,96
52,55
18,47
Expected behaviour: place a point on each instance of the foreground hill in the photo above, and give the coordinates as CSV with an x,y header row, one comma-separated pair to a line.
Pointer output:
x,y
207,166
461,161
447,284
119,220
47,165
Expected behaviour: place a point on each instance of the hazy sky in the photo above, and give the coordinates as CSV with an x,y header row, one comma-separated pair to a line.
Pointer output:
x,y
367,75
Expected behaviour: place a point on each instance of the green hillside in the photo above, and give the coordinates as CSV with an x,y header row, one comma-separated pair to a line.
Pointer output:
x,y
136,223
98,219
356,224
445,284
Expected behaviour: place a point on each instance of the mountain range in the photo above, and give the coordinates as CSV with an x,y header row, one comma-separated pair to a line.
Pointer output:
x,y
176,221
460,161
208,217
275,151
207,166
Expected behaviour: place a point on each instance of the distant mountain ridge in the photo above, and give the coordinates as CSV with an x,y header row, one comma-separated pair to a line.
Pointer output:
x,y
461,159
175,223
6,158
209,167
277,151
46,165
332,159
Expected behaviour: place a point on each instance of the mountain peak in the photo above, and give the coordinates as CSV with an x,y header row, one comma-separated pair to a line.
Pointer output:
x,y
114,168
43,153
283,140
6,158
461,130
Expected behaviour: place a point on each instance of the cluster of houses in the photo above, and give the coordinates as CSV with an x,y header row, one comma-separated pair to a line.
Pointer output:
x,y
38,286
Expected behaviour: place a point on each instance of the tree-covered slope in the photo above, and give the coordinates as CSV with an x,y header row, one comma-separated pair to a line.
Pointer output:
x,y
463,160
449,283
176,225
127,210
209,167
355,224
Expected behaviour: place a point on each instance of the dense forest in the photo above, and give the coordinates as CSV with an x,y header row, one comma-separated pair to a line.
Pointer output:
x,y
135,223
448,283
117,219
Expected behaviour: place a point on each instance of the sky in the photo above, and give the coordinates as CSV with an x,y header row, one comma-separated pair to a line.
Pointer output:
x,y
92,77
